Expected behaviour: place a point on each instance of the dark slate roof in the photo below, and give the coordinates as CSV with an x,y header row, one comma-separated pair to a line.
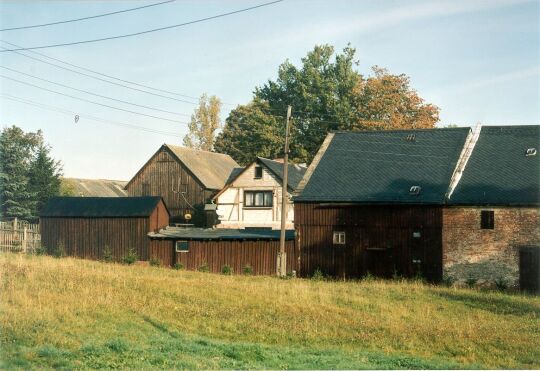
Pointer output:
x,y
95,187
381,166
234,174
498,172
174,233
100,207
295,173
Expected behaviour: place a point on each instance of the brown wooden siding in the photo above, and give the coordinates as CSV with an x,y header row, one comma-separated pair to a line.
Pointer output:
x,y
165,176
260,255
379,240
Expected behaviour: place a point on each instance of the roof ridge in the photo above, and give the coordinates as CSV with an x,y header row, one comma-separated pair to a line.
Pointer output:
x,y
195,150
397,130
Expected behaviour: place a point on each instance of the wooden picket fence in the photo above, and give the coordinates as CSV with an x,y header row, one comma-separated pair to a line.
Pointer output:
x,y
19,236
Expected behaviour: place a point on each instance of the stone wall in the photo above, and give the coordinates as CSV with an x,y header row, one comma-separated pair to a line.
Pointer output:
x,y
486,255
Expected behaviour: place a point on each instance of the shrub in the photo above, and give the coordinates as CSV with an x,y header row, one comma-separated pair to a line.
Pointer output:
x,y
204,268
130,258
448,281
227,270
317,275
368,277
247,270
40,250
178,266
501,284
471,282
59,251
155,262
107,254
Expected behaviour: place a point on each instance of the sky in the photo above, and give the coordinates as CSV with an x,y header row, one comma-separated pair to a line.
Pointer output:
x,y
478,61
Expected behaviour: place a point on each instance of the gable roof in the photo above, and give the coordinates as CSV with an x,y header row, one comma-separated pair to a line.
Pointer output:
x,y
100,207
294,174
498,171
210,168
95,187
382,166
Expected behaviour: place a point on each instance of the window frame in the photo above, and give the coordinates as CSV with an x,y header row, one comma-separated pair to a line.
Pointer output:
x,y
255,192
257,169
487,219
176,249
341,238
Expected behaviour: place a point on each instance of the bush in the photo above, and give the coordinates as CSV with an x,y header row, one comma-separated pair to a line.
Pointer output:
x,y
501,284
317,275
59,251
40,250
155,262
204,268
247,270
178,266
107,254
448,281
227,270
130,258
471,282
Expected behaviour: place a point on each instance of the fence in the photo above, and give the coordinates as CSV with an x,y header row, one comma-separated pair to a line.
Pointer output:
x,y
19,235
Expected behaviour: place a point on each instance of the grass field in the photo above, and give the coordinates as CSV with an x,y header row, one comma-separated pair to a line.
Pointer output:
x,y
83,314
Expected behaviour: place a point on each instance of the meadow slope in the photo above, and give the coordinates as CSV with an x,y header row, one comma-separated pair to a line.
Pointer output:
x,y
84,314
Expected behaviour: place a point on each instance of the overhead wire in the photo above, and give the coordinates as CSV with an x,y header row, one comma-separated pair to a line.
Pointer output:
x,y
85,18
145,31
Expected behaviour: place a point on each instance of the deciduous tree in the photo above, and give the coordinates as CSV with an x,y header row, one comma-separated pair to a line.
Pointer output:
x,y
204,124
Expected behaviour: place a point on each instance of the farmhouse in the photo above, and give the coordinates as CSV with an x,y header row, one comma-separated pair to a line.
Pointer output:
x,y
252,197
184,177
250,248
454,201
84,226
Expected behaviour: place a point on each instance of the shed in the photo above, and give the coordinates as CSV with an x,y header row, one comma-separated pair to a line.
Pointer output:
x,y
237,248
86,225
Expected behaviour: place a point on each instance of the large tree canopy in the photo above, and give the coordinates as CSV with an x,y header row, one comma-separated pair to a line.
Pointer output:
x,y
204,124
326,93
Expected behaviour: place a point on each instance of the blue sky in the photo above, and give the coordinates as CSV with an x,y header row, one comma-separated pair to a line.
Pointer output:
x,y
479,61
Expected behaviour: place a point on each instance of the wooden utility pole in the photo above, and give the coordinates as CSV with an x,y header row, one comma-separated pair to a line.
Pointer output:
x,y
282,256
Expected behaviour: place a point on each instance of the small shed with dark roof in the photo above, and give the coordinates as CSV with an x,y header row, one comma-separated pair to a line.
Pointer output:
x,y
86,226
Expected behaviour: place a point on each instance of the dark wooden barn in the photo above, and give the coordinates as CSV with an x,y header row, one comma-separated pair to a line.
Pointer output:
x,y
84,226
184,177
237,248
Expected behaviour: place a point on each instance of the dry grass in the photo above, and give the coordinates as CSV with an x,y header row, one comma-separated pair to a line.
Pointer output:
x,y
71,304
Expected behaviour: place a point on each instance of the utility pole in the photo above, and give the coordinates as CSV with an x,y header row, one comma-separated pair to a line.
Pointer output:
x,y
282,256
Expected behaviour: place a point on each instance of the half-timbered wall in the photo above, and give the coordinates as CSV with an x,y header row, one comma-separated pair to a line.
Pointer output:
x,y
167,177
381,240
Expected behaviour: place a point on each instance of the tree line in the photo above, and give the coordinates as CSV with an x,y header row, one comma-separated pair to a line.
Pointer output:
x,y
326,92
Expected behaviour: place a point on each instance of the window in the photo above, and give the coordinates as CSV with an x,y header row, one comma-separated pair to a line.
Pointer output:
x,y
258,172
146,189
182,246
487,219
415,190
530,152
258,198
339,238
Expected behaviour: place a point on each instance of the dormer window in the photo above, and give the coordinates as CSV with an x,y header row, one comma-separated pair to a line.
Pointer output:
x,y
415,190
530,152
258,172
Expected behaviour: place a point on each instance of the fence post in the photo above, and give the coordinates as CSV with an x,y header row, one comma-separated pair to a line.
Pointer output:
x,y
15,224
24,239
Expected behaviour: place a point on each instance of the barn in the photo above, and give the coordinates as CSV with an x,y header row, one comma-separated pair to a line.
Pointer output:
x,y
84,226
448,203
186,178
194,248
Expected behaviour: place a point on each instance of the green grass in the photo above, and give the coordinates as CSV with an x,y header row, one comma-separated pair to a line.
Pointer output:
x,y
70,313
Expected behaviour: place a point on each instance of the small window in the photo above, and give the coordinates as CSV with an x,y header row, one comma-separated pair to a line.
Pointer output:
x,y
339,238
146,189
530,152
258,172
487,219
182,246
415,190
258,199
411,137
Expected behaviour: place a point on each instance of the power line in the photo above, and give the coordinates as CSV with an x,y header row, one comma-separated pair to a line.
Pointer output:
x,y
89,117
85,18
89,101
146,31
94,94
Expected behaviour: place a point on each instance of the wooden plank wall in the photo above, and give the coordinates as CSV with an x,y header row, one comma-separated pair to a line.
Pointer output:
x,y
165,176
260,255
379,240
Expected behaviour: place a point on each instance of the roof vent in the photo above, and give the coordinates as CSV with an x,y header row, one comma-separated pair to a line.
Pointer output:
x,y
411,138
530,152
415,190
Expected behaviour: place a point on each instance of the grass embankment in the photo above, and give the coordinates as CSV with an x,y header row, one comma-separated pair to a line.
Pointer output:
x,y
77,313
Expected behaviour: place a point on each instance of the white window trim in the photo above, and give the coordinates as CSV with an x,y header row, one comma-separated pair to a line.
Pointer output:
x,y
338,238
176,246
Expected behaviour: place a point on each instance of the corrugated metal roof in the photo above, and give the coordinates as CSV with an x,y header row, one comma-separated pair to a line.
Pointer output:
x,y
95,187
295,173
173,233
100,207
382,166
211,168
498,171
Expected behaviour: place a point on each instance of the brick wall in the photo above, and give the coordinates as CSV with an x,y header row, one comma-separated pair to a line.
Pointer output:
x,y
486,255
